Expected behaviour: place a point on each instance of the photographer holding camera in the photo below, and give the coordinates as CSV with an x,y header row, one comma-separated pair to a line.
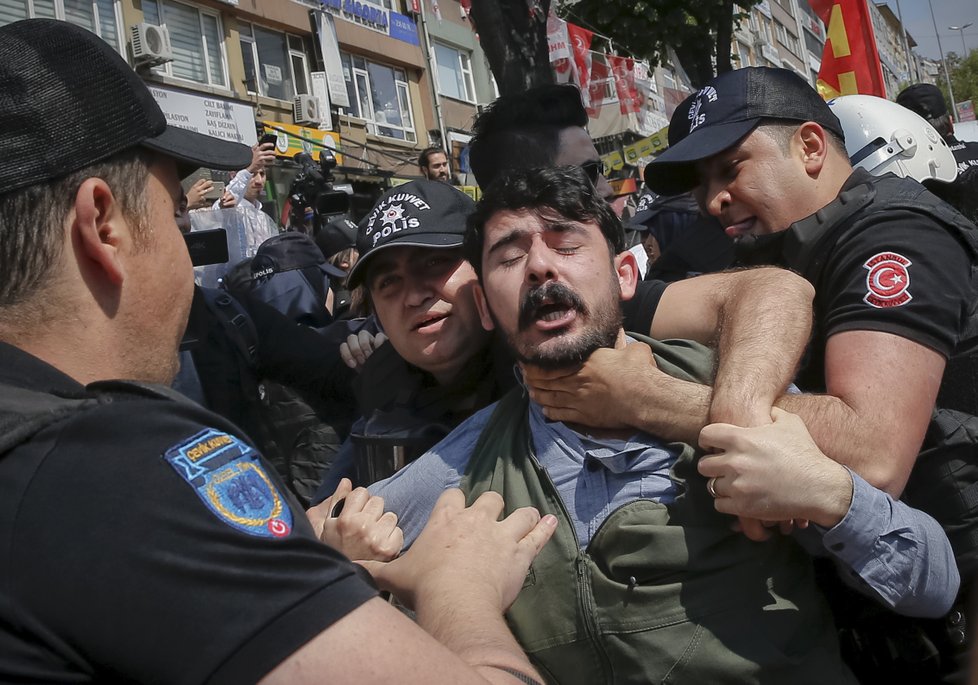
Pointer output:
x,y
312,195
243,190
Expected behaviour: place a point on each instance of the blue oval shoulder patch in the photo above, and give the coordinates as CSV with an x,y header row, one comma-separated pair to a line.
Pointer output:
x,y
227,474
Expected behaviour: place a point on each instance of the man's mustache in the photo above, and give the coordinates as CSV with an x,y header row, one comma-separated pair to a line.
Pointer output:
x,y
555,295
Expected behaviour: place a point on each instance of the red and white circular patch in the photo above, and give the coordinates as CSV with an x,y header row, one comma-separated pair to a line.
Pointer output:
x,y
888,280
279,528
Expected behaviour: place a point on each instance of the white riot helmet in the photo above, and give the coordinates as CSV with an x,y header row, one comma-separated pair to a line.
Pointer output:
x,y
883,136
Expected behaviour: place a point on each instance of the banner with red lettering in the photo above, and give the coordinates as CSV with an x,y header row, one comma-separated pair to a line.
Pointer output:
x,y
558,44
850,61
623,69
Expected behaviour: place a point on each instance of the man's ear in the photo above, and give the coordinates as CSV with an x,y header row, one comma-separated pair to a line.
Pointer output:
x,y
482,306
626,267
814,146
99,230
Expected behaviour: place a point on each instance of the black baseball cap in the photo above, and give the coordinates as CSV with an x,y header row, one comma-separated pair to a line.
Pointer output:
x,y
290,251
643,210
925,99
68,100
723,112
417,214
336,236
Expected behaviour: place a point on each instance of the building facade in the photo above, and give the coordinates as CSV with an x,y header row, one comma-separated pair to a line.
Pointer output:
x,y
893,43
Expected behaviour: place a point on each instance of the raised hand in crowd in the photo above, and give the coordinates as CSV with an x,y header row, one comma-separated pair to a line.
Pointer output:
x,y
197,194
261,156
228,200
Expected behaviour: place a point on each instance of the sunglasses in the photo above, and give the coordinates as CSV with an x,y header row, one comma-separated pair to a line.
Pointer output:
x,y
593,169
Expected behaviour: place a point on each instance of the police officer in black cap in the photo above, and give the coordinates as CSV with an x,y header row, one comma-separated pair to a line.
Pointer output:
x,y
894,274
144,538
927,100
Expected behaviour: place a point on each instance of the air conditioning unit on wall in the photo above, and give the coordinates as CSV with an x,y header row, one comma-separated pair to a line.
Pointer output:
x,y
151,45
305,109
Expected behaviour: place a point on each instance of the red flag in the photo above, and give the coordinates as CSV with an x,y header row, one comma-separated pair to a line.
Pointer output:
x,y
623,69
850,61
600,73
580,41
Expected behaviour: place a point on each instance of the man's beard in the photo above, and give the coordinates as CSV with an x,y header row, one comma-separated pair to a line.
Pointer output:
x,y
601,330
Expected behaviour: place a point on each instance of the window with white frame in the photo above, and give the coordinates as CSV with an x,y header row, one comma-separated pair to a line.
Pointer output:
x,y
275,63
197,40
759,24
379,94
454,73
744,55
785,37
98,16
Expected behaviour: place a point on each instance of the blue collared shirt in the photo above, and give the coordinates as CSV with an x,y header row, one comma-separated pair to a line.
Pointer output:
x,y
886,549
596,476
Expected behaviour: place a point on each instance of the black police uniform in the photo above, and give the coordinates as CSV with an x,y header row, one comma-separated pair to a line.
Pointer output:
x,y
888,256
965,154
881,260
145,540
962,192
283,382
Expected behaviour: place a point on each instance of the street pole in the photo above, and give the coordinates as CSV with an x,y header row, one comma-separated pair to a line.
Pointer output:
x,y
912,76
433,80
950,90
964,48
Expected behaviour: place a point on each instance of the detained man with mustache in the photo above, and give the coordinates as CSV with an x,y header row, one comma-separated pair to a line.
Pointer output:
x,y
644,579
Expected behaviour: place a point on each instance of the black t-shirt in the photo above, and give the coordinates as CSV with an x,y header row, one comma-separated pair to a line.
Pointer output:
x,y
145,540
962,192
965,154
640,310
903,273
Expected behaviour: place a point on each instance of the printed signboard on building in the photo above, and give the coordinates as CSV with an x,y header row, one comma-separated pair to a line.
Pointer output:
x,y
293,139
372,16
207,114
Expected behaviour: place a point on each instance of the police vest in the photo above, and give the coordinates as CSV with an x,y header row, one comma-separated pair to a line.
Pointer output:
x,y
288,432
944,480
663,593
24,413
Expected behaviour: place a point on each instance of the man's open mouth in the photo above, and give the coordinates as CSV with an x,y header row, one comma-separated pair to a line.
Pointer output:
x,y
551,312
429,321
550,307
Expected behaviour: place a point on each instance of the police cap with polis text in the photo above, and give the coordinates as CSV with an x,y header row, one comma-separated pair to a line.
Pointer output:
x,y
416,214
68,100
723,112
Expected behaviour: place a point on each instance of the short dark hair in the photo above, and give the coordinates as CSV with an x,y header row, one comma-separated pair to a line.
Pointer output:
x,y
942,124
32,220
522,130
782,130
424,157
566,191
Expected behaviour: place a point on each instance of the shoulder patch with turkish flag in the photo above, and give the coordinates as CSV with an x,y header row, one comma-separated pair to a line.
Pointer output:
x,y
888,280
227,474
